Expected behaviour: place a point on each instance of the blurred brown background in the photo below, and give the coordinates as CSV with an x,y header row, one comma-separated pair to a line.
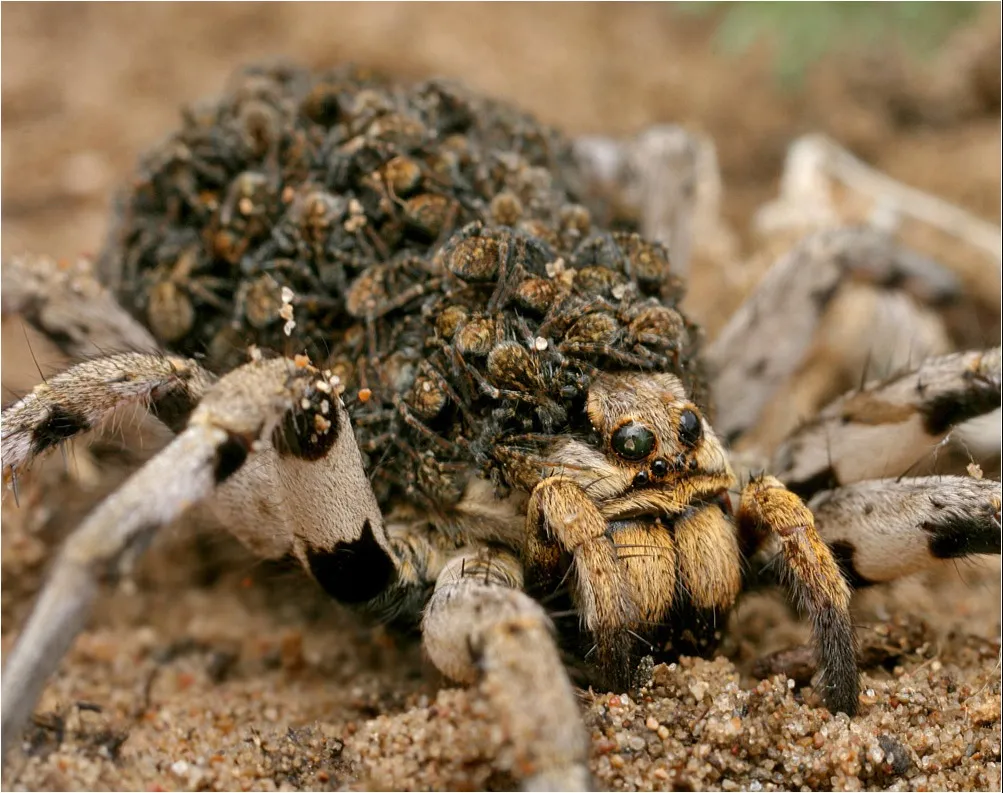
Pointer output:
x,y
87,86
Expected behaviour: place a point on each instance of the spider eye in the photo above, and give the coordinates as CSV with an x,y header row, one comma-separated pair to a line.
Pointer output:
x,y
690,428
633,441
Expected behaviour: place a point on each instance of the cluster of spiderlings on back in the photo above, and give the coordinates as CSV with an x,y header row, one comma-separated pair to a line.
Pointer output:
x,y
301,180
424,243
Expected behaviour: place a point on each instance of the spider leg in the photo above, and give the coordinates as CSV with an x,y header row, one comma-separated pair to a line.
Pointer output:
x,y
85,395
841,303
251,505
258,401
336,527
480,625
881,530
809,570
888,427
67,304
560,511
626,359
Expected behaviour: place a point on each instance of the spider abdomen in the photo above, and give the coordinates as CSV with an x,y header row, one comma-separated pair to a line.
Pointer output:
x,y
427,245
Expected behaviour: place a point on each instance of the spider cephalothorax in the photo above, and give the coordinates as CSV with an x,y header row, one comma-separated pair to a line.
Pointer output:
x,y
653,479
468,396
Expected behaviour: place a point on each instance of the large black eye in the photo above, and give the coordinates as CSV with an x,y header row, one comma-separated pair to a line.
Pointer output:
x,y
633,441
690,428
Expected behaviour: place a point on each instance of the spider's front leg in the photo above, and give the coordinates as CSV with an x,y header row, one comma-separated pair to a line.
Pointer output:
x,y
480,625
814,580
84,396
888,427
275,407
119,362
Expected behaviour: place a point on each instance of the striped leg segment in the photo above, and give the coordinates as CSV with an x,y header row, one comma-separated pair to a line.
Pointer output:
x,y
888,427
84,396
881,530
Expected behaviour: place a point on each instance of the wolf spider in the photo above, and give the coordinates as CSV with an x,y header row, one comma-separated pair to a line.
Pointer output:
x,y
638,515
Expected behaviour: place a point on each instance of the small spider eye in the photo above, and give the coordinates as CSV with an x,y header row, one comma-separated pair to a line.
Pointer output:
x,y
633,441
690,428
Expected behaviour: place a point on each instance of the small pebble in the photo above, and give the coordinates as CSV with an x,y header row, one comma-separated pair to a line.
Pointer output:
x,y
699,690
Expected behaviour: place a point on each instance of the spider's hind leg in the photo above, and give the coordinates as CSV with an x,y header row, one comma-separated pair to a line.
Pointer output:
x,y
890,427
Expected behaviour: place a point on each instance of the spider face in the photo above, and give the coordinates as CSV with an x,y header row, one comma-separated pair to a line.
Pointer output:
x,y
638,514
653,454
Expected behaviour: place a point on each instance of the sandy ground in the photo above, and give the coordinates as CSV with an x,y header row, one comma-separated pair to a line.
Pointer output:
x,y
207,670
